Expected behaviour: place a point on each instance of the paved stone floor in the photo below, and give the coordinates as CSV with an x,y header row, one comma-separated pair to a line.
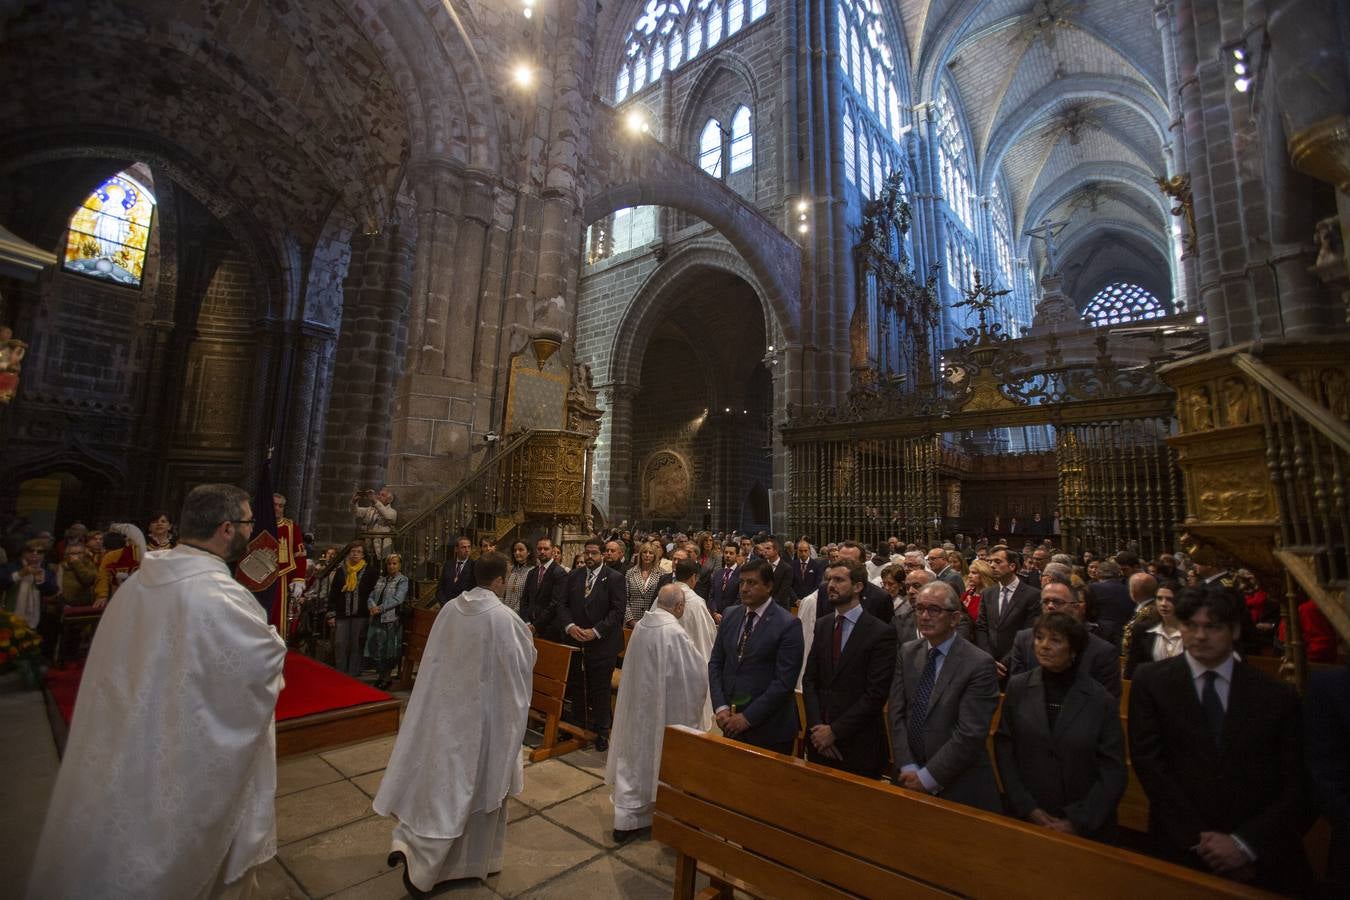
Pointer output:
x,y
331,843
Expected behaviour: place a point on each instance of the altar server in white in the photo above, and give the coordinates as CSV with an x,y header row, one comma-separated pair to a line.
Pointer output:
x,y
457,757
665,682
698,624
166,788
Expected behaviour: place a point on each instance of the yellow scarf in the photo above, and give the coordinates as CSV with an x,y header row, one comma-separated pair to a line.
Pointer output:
x,y
353,576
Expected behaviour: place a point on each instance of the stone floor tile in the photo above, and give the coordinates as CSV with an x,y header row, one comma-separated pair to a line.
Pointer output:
x,y
515,810
319,809
552,780
536,851
275,883
369,782
650,856
603,878
304,772
337,859
590,815
359,759
592,761
31,763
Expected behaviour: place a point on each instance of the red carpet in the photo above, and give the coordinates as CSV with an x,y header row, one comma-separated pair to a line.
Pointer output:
x,y
311,687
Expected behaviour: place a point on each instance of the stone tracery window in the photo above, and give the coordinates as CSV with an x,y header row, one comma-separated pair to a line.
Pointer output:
x,y
742,141
670,33
109,233
1120,302
710,148
868,63
954,160
998,211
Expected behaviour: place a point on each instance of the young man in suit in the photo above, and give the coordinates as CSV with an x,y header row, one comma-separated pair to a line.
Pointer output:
x,y
1007,607
725,590
591,617
542,598
848,678
806,572
756,659
874,597
942,702
1216,746
767,550
456,574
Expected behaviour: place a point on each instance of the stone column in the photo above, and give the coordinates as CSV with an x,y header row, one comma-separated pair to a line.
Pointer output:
x,y
367,365
1174,152
614,453
308,397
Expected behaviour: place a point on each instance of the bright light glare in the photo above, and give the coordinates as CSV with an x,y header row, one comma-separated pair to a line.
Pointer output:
x,y
1242,84
636,122
801,206
1240,68
523,75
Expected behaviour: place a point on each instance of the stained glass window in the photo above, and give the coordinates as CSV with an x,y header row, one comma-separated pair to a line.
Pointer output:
x,y
1122,302
742,140
110,231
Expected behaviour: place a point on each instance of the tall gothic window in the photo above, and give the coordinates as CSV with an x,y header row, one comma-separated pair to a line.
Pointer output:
x,y
627,229
954,160
109,233
742,141
868,63
1122,302
669,33
998,214
710,149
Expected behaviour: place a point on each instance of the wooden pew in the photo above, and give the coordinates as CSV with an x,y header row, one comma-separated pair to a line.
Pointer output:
x,y
819,833
414,644
546,704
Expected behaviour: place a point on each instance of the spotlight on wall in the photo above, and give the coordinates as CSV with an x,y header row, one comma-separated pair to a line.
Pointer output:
x,y
802,206
1200,319
1242,84
803,228
1242,67
528,9
637,122
523,75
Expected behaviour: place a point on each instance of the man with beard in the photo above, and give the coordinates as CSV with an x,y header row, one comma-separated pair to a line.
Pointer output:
x,y
177,699
591,618
848,679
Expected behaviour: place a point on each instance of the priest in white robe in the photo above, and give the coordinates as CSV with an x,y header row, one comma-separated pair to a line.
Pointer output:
x,y
806,613
698,624
665,682
457,757
167,787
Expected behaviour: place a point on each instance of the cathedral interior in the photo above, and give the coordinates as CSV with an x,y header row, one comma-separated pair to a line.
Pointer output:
x,y
827,268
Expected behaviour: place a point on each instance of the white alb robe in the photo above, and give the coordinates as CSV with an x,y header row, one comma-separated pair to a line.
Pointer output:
x,y
806,613
702,630
457,756
167,786
665,682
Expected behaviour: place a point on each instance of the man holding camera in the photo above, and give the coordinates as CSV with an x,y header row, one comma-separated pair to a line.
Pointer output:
x,y
375,514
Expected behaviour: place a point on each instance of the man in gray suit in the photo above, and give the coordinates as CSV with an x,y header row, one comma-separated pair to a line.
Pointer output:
x,y
945,571
943,699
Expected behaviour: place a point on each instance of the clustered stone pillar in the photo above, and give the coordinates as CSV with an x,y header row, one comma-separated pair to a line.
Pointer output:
x,y
368,362
616,442
308,397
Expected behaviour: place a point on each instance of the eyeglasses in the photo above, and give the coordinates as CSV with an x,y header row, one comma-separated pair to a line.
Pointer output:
x,y
1056,604
241,521
927,609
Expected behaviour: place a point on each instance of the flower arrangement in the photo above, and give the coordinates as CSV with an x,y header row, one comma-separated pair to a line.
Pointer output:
x,y
19,647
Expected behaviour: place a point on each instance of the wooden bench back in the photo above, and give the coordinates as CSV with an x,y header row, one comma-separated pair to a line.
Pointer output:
x,y
550,677
787,828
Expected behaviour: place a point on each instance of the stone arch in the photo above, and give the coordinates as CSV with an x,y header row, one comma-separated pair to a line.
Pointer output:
x,y
1052,195
726,61
431,52
654,299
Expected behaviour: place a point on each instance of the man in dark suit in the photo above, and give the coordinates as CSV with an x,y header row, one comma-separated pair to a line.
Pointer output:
x,y
1111,597
456,574
943,570
725,588
1326,718
874,597
806,572
542,598
1216,746
942,702
1099,659
752,673
848,678
591,617
767,550
1007,607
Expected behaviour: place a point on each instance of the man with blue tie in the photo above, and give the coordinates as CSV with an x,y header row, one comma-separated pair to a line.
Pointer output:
x,y
752,674
943,700
726,582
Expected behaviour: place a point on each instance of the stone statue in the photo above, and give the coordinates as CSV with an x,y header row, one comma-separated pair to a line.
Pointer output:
x,y
583,410
11,355
1047,231
1178,187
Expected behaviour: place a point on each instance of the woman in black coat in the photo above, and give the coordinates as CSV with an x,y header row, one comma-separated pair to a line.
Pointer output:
x,y
1060,747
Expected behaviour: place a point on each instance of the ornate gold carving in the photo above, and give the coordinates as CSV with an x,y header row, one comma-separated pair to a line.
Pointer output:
x,y
1196,408
1239,401
583,411
1178,187
1234,491
1322,150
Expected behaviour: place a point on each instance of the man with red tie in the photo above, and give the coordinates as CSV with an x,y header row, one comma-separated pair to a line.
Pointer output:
x,y
725,590
848,679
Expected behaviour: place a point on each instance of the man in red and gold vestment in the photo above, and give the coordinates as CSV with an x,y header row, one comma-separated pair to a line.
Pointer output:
x,y
292,561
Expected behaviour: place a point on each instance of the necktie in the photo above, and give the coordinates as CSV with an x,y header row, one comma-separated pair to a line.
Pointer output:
x,y
539,580
745,635
459,567
726,579
919,714
590,580
838,638
1002,601
1209,699
803,571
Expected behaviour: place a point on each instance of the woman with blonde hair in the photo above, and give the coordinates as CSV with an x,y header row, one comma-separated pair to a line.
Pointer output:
x,y
644,580
385,637
979,577
957,562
